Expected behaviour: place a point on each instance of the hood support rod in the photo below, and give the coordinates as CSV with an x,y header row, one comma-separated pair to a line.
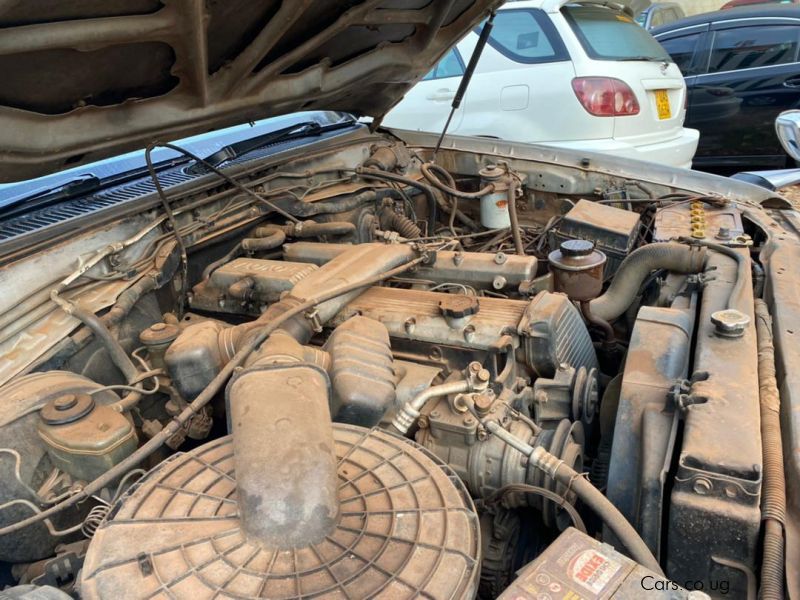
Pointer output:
x,y
467,77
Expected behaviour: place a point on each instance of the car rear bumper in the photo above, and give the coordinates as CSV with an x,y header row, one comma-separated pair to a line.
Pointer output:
x,y
675,152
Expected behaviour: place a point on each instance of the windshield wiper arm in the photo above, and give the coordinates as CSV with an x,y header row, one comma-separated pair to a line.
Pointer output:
x,y
79,186
237,149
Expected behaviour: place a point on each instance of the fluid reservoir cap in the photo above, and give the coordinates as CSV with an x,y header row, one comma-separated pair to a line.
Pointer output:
x,y
577,248
67,409
159,333
730,323
491,172
458,307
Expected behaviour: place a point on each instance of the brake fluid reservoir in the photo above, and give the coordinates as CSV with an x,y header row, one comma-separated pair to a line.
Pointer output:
x,y
494,206
85,439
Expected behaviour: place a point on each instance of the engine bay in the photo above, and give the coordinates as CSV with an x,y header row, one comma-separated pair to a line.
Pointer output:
x,y
373,370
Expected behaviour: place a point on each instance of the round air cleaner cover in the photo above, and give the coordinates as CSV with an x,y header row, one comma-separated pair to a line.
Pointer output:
x,y
407,529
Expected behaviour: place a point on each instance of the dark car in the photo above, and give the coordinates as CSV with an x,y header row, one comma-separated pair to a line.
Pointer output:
x,y
742,70
659,14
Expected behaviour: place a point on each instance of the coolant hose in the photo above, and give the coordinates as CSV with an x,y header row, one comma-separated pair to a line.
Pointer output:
x,y
678,258
262,244
773,509
583,488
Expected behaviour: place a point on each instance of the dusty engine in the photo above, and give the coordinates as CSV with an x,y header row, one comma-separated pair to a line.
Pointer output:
x,y
384,412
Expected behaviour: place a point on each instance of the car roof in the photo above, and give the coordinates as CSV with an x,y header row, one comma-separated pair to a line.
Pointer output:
x,y
733,14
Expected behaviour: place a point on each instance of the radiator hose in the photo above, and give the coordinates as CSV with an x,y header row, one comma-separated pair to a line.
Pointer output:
x,y
773,510
678,258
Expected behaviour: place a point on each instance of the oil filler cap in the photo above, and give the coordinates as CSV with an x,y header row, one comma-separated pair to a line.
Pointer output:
x,y
458,307
67,408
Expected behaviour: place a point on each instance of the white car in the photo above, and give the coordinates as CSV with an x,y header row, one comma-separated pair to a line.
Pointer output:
x,y
565,73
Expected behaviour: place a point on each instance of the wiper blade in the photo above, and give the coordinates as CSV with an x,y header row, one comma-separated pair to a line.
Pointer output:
x,y
82,184
238,149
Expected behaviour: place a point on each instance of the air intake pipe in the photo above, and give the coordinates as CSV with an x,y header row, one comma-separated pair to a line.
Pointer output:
x,y
677,258
286,478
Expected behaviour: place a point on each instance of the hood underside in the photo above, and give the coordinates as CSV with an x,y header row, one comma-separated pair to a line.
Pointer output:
x,y
88,79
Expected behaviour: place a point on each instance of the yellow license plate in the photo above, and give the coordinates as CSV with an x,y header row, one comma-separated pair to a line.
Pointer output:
x,y
662,105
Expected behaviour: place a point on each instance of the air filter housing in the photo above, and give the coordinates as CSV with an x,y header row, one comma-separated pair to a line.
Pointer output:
x,y
407,529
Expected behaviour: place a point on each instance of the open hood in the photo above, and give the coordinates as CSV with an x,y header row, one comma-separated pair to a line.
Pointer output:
x,y
87,79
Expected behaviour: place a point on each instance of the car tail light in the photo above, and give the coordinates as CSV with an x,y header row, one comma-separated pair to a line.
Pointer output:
x,y
606,97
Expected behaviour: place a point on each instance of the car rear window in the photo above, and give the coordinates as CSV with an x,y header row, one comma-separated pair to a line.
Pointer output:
x,y
608,34
526,36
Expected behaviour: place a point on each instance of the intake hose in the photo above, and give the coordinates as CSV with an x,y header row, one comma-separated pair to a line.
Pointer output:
x,y
773,499
678,258
400,223
427,190
202,350
286,480
308,229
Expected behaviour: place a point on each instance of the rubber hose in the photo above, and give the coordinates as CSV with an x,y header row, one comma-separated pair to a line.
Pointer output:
x,y
308,229
115,350
773,509
516,234
608,513
422,187
678,258
429,170
590,495
742,265
272,241
402,225
301,208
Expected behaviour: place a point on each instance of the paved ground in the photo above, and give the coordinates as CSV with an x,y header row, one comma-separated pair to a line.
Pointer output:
x,y
793,194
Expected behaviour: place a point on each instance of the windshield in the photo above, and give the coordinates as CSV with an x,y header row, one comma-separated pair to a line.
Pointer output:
x,y
608,34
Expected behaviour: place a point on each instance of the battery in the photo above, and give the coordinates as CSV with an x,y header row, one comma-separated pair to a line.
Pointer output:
x,y
577,567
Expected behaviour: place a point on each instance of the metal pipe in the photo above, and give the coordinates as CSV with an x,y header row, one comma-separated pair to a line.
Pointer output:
x,y
409,412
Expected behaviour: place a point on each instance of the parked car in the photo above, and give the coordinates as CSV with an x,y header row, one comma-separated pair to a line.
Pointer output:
x,y
603,83
253,347
742,70
660,13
